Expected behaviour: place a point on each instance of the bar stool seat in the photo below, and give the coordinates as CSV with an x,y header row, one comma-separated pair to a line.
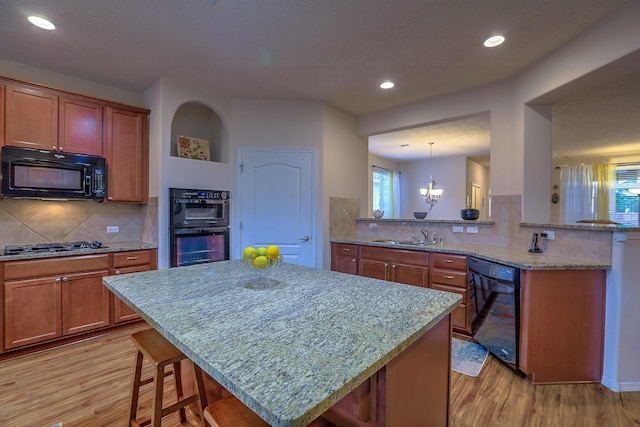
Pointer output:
x,y
231,412
161,353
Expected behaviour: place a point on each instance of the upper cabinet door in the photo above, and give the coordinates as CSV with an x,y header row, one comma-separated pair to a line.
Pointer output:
x,y
80,127
127,156
31,118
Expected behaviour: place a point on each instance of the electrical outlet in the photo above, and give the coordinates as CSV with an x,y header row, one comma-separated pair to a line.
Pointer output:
x,y
473,230
113,229
458,229
550,235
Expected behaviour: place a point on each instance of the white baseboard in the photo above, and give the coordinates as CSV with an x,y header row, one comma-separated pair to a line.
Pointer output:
x,y
619,387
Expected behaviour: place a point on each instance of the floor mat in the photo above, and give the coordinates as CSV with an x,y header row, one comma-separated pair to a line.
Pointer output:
x,y
467,358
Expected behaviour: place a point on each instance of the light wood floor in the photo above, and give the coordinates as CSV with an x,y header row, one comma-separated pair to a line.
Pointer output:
x,y
87,384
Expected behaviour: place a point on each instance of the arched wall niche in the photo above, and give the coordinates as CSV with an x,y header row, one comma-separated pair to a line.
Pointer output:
x,y
198,122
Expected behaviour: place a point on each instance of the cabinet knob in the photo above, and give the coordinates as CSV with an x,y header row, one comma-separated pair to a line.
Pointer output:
x,y
110,198
117,272
54,148
60,149
353,260
65,279
58,280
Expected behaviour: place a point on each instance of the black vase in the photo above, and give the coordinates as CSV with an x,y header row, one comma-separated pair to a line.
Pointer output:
x,y
469,214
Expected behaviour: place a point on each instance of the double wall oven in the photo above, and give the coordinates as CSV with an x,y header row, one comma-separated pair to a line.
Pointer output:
x,y
198,226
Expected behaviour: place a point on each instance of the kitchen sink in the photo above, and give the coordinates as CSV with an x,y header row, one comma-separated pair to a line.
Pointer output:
x,y
398,242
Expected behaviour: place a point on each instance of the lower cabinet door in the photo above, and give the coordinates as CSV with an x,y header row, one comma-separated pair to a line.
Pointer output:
x,y
410,275
374,269
121,311
85,302
32,310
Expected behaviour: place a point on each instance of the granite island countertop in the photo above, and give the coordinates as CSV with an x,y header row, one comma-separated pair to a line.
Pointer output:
x,y
291,351
106,248
514,257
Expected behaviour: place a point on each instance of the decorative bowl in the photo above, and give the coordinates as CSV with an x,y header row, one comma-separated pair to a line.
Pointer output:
x,y
377,214
420,215
469,214
260,279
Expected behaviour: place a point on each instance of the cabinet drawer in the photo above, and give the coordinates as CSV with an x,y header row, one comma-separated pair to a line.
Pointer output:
x,y
451,262
402,256
449,277
131,258
459,314
52,266
346,249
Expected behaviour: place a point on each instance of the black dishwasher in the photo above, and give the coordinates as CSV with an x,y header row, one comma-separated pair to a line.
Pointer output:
x,y
495,289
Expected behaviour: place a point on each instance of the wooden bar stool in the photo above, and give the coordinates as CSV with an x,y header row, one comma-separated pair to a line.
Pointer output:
x,y
231,412
162,353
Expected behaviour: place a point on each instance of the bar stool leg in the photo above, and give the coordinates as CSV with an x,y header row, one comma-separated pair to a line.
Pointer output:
x,y
202,393
135,389
177,378
156,406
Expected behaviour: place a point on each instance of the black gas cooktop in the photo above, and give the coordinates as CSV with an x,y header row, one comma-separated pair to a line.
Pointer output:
x,y
51,247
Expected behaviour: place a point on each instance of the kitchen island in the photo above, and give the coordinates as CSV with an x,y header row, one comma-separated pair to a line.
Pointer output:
x,y
292,351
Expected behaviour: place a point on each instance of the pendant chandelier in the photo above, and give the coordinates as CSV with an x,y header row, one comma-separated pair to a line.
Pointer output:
x,y
430,194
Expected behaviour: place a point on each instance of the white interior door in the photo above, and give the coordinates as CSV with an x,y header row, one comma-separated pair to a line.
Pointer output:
x,y
277,201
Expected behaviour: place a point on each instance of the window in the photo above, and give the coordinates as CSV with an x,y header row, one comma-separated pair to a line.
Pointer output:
x,y
623,206
383,191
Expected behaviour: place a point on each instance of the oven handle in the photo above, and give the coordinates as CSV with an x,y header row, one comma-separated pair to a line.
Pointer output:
x,y
186,231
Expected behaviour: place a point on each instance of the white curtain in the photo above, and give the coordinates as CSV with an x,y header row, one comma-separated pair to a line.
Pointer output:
x,y
576,193
395,191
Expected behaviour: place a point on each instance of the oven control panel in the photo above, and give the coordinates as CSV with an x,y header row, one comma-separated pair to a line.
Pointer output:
x,y
182,193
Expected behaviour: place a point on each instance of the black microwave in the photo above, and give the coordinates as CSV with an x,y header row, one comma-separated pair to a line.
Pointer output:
x,y
41,174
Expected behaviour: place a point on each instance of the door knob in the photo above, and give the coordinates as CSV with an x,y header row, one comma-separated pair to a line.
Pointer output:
x,y
305,239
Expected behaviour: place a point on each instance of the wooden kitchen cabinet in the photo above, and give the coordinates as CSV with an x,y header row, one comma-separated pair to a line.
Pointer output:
x,y
80,126
397,265
130,262
127,155
31,117
49,298
32,311
344,258
449,273
562,325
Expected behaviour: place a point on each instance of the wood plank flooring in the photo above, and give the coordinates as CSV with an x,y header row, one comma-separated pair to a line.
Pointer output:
x,y
87,384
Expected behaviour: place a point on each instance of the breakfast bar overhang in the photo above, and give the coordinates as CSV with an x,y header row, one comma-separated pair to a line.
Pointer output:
x,y
290,352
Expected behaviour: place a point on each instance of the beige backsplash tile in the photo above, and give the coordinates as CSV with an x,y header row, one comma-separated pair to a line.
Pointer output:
x,y
42,221
343,214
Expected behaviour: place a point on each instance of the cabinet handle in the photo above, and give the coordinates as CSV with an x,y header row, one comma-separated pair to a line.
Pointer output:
x,y
346,249
447,276
132,258
110,198
448,261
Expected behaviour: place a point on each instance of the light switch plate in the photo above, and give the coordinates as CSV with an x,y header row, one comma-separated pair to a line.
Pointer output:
x,y
458,229
113,229
473,230
551,235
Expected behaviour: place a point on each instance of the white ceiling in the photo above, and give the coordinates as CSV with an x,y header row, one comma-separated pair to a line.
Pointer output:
x,y
335,51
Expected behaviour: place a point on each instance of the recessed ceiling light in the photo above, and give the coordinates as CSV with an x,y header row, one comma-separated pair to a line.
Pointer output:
x,y
387,85
41,22
494,41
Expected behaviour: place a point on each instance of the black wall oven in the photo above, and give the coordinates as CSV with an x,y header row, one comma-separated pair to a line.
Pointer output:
x,y
198,226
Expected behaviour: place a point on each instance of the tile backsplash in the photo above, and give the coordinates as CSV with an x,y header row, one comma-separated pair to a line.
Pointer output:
x,y
43,221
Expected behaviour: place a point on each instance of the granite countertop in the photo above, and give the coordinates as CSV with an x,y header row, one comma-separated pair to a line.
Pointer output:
x,y
108,247
514,257
291,351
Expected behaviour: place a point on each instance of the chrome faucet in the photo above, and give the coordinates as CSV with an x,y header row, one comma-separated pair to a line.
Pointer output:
x,y
426,240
